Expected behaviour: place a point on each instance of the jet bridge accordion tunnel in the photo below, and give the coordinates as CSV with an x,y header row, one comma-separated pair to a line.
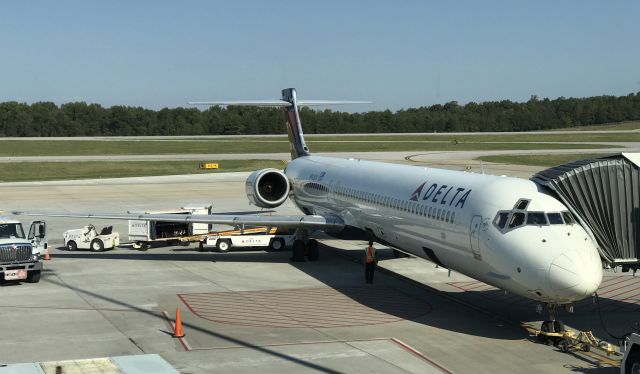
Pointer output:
x,y
604,194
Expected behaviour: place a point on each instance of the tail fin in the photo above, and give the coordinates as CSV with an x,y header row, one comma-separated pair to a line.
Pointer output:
x,y
297,145
290,104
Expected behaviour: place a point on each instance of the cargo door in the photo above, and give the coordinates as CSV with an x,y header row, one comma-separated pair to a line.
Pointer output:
x,y
474,234
38,235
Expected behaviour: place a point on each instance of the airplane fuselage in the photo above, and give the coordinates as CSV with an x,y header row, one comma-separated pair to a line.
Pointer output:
x,y
503,231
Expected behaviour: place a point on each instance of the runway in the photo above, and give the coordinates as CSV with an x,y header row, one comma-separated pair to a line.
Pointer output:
x,y
252,309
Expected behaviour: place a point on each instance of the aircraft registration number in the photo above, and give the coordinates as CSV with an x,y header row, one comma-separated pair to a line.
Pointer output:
x,y
15,274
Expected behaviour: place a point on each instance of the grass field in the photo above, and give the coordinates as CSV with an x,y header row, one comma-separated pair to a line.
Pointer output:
x,y
537,160
631,125
30,171
15,148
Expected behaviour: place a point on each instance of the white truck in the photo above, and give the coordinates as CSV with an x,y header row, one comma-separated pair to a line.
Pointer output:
x,y
20,255
224,241
143,233
89,238
631,361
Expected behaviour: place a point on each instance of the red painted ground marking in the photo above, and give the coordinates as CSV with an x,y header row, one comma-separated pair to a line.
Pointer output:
x,y
611,280
616,298
617,288
306,308
409,348
390,305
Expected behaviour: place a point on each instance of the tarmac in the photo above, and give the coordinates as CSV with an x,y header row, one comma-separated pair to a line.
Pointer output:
x,y
248,311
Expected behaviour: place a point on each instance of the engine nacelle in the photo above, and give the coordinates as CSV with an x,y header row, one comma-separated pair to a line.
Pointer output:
x,y
267,188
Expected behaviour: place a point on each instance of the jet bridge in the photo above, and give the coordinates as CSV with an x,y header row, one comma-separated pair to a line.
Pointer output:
x,y
604,194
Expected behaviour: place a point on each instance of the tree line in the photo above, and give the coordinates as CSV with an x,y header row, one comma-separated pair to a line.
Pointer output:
x,y
44,119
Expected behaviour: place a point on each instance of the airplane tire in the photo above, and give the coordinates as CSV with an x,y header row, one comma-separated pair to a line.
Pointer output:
x,y
223,245
71,245
312,250
558,326
34,276
97,245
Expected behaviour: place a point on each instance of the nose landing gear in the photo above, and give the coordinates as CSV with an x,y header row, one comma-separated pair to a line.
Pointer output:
x,y
553,330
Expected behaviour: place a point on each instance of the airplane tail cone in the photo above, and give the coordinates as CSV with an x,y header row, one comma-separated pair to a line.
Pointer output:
x,y
177,330
46,255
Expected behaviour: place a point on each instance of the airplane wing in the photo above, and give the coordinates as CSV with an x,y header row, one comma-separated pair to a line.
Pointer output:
x,y
292,221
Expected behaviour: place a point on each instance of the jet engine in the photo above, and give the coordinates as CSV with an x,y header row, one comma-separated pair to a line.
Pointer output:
x,y
267,188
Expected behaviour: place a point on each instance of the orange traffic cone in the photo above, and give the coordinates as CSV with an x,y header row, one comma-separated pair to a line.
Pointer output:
x,y
177,330
46,254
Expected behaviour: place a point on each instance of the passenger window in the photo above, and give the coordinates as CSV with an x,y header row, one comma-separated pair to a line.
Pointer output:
x,y
517,219
447,217
522,204
536,218
501,219
555,218
568,217
453,216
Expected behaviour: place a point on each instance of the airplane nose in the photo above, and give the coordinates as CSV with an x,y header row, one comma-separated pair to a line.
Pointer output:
x,y
574,275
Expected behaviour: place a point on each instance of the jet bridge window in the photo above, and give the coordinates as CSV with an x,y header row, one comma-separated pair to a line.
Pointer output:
x,y
536,218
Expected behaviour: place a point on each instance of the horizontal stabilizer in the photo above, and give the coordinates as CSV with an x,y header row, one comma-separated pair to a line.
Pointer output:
x,y
267,103
277,103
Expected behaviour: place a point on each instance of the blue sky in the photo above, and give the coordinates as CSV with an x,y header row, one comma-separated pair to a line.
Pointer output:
x,y
398,54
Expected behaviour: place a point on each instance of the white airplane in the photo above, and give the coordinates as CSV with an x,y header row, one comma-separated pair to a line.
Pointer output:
x,y
506,232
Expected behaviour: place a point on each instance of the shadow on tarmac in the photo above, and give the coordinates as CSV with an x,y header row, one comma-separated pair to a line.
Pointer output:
x,y
266,350
504,308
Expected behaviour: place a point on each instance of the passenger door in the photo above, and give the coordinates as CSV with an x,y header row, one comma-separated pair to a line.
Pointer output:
x,y
474,234
38,235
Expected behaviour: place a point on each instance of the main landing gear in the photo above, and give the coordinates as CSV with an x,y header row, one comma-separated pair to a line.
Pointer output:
x,y
304,248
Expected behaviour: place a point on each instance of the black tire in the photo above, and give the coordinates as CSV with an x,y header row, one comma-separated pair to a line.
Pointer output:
x,y
71,245
558,326
96,245
223,245
547,326
277,244
34,276
201,247
632,365
312,250
564,346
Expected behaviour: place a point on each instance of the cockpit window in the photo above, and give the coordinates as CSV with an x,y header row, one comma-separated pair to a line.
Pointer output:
x,y
536,218
522,204
568,217
517,219
501,219
555,218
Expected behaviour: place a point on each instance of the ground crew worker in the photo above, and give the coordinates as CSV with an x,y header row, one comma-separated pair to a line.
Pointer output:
x,y
370,261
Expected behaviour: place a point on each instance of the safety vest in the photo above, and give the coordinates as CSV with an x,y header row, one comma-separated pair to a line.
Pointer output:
x,y
371,255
